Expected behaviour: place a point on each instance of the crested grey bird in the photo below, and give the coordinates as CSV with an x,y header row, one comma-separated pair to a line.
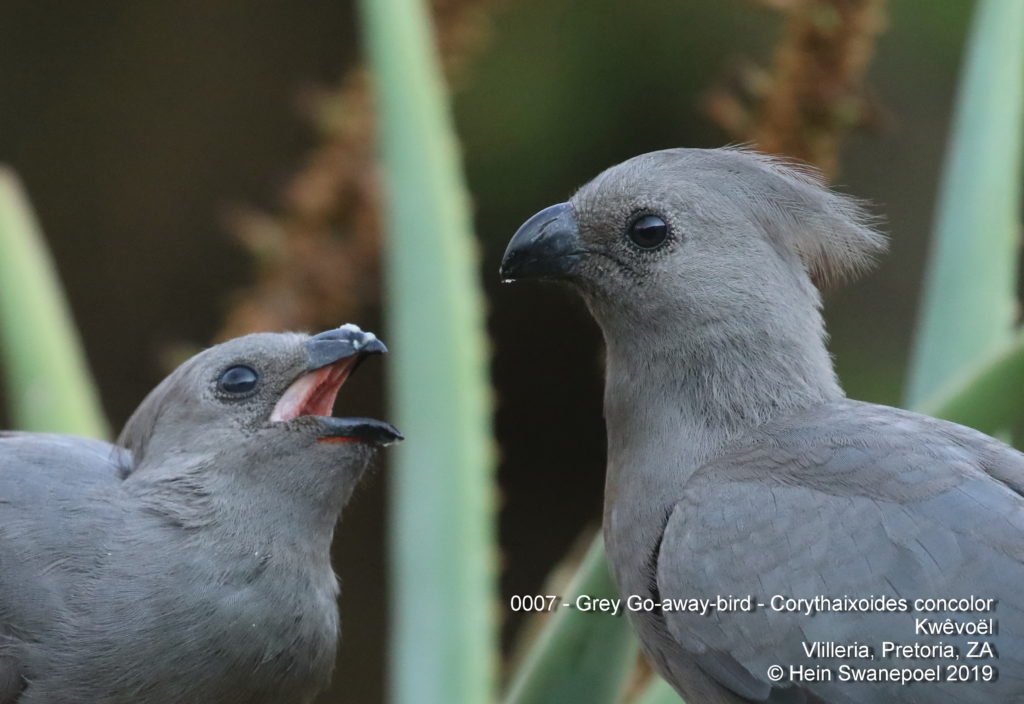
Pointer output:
x,y
781,542
190,561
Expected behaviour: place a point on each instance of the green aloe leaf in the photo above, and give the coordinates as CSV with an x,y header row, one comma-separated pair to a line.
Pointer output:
x,y
442,543
984,397
969,304
47,379
579,658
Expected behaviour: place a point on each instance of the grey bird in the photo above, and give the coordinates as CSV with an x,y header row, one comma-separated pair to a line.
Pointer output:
x,y
189,562
737,466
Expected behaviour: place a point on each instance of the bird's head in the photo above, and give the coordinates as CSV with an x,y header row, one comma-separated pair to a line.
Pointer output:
x,y
258,409
677,240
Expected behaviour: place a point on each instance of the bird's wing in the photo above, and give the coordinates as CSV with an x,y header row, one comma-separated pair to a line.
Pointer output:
x,y
11,680
849,500
58,457
54,507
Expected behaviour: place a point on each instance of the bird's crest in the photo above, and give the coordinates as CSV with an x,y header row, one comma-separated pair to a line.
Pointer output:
x,y
834,234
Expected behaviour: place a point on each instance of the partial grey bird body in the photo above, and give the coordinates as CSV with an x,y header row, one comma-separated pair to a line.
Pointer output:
x,y
190,562
736,466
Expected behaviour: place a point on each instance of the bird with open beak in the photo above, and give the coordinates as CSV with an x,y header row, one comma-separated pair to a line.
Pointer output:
x,y
738,469
190,561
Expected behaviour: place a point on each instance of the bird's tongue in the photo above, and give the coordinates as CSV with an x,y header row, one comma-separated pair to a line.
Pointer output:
x,y
313,394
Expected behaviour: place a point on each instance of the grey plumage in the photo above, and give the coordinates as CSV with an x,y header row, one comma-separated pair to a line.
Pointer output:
x,y
736,465
189,562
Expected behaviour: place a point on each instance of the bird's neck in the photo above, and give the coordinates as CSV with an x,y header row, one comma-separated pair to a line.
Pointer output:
x,y
675,398
249,515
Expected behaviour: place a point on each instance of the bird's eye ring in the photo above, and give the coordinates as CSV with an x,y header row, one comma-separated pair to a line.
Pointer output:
x,y
239,379
648,232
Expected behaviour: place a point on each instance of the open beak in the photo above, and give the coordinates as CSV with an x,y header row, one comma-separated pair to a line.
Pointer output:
x,y
333,356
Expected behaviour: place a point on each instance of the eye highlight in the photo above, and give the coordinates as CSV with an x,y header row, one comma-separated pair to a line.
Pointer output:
x,y
239,379
648,232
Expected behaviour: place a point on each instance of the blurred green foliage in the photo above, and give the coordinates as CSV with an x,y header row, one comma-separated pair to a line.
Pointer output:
x,y
443,553
579,656
44,366
970,304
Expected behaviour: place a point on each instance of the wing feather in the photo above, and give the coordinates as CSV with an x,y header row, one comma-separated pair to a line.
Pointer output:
x,y
44,480
849,499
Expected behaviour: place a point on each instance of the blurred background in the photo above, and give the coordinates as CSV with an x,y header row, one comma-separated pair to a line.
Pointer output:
x,y
202,169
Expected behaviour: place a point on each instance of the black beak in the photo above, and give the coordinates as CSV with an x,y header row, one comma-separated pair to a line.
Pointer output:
x,y
368,430
333,345
546,246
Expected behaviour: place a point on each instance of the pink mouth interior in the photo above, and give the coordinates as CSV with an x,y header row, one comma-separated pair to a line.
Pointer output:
x,y
313,394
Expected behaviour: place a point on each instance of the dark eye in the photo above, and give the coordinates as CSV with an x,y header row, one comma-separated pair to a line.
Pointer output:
x,y
648,232
238,380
